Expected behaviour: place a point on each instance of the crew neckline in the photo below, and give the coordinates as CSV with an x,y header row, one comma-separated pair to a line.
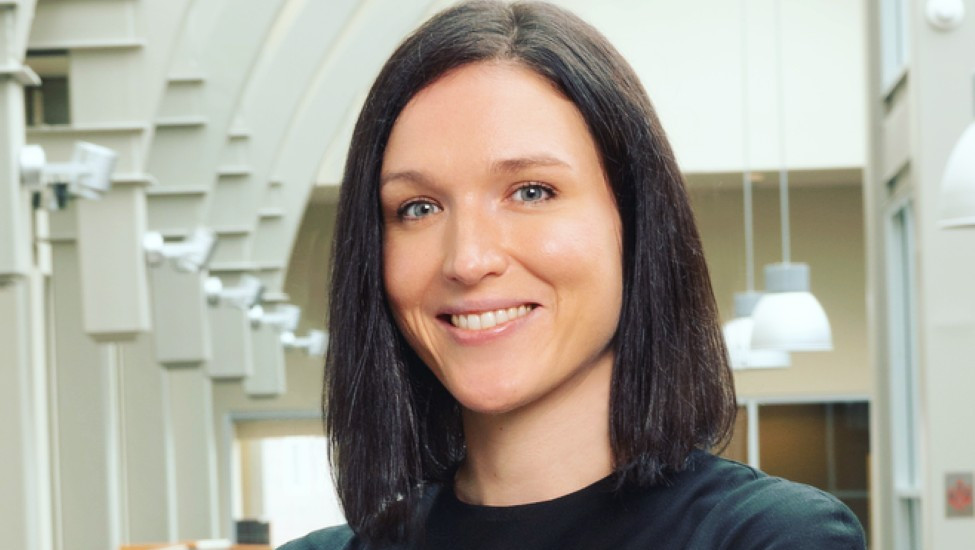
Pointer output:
x,y
599,494
592,495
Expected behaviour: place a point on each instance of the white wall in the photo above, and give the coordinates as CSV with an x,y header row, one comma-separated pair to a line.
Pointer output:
x,y
941,85
912,132
688,55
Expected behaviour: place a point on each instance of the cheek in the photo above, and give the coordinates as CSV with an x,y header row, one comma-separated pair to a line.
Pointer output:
x,y
411,267
402,275
582,262
570,250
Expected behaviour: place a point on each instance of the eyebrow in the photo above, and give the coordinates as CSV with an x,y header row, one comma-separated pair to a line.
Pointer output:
x,y
507,166
503,166
408,175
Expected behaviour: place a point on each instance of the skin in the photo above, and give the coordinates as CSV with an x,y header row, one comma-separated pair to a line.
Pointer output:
x,y
494,196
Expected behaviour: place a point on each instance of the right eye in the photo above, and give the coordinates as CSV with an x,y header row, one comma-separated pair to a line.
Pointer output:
x,y
418,209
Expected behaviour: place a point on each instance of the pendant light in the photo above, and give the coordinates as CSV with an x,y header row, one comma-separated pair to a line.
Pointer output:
x,y
958,182
738,338
738,331
788,317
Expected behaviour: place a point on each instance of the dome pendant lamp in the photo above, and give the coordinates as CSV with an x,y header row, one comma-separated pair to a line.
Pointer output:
x,y
738,337
738,331
958,182
788,317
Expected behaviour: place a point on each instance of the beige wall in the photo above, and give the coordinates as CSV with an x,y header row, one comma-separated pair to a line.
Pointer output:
x,y
827,233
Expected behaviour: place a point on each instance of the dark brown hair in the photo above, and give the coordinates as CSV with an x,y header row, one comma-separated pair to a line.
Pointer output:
x,y
393,427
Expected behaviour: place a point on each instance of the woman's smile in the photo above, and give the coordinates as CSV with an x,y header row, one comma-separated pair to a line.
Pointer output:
x,y
489,319
482,325
501,238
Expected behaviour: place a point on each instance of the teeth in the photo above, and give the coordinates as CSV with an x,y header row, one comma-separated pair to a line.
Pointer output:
x,y
488,319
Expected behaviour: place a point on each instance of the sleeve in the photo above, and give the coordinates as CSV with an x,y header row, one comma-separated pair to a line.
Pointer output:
x,y
330,538
775,514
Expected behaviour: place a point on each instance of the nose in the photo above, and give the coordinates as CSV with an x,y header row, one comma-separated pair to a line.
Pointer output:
x,y
474,247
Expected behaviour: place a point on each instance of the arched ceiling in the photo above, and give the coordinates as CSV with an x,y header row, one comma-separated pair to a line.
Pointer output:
x,y
258,98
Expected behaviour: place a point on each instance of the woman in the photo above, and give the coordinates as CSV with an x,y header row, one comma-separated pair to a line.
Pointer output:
x,y
525,350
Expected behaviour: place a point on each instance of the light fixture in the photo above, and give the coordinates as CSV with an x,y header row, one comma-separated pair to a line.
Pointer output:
x,y
945,15
738,338
284,318
958,182
190,255
243,296
738,332
87,175
788,317
314,344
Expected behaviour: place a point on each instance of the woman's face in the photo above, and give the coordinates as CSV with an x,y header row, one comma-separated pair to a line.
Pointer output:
x,y
502,242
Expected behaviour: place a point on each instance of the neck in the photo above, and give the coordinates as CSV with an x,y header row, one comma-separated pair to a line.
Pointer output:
x,y
550,448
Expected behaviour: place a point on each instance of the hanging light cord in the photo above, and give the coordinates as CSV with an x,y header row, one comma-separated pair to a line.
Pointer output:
x,y
746,175
783,171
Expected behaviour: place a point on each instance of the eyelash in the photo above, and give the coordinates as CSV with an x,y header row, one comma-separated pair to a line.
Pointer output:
x,y
402,214
550,193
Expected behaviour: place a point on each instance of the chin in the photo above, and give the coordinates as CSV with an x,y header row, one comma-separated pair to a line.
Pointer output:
x,y
495,401
489,409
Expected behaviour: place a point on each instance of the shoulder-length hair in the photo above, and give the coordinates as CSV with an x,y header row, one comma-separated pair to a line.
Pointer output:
x,y
393,427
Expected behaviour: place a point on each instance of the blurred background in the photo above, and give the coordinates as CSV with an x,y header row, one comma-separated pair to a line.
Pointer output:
x,y
170,171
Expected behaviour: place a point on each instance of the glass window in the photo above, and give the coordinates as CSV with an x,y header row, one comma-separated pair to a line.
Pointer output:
x,y
894,44
826,445
283,485
48,103
903,376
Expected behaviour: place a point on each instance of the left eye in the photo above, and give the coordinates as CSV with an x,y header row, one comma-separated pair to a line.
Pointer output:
x,y
532,193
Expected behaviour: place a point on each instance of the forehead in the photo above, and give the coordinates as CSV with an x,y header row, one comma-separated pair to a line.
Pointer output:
x,y
483,112
496,75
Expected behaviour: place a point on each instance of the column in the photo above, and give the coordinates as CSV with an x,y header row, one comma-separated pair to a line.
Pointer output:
x,y
86,420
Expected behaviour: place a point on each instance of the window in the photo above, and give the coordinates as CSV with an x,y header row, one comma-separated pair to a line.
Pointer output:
x,y
48,103
903,377
894,43
282,485
825,444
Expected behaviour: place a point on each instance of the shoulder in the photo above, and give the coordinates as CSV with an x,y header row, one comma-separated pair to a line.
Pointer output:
x,y
754,510
342,537
330,538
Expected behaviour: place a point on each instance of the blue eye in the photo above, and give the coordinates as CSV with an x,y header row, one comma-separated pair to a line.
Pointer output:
x,y
416,210
533,192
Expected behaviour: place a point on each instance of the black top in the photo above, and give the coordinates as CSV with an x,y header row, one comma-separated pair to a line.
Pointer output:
x,y
713,504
